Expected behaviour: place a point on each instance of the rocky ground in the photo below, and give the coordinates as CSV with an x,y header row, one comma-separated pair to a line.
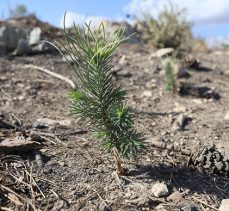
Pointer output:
x,y
76,175
69,172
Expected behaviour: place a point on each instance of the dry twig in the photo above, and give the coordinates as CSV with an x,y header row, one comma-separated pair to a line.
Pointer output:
x,y
204,203
49,72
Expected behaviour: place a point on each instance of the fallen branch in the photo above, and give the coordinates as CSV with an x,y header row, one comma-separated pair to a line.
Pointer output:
x,y
56,75
204,203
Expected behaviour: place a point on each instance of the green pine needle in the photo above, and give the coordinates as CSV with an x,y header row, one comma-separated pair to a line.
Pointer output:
x,y
98,99
168,65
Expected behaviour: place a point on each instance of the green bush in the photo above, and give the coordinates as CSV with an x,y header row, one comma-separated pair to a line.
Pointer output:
x,y
19,11
170,29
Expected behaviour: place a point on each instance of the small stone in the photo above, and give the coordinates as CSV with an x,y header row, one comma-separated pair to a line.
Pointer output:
x,y
189,208
161,208
159,190
148,159
219,166
197,101
175,197
123,60
21,97
162,52
3,78
46,122
182,73
179,123
62,164
224,206
65,122
179,108
152,84
147,93
226,117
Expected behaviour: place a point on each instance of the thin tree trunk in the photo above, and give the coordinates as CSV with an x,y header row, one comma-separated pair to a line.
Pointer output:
x,y
120,169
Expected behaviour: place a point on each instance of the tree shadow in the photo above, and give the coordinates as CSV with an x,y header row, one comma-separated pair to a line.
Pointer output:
x,y
184,178
188,89
202,69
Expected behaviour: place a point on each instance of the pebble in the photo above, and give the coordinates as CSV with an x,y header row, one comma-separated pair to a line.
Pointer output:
x,y
162,52
151,84
21,97
46,122
161,208
175,197
182,73
226,117
197,101
189,208
179,123
180,109
160,190
123,60
147,93
3,78
224,206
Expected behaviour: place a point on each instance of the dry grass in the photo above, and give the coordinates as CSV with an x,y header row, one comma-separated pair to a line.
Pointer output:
x,y
19,188
170,29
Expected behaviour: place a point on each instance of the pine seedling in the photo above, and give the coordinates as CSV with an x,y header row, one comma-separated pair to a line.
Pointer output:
x,y
169,67
99,100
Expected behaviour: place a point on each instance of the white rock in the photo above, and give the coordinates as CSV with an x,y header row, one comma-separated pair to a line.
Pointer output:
x,y
179,108
181,72
224,205
226,117
123,60
162,52
197,101
151,84
226,72
161,208
159,190
21,97
51,122
179,123
147,93
35,36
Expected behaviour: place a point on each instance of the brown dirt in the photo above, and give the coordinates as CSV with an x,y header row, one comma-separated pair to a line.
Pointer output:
x,y
77,175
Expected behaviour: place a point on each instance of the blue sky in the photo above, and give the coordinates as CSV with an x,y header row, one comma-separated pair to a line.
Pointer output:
x,y
211,17
52,10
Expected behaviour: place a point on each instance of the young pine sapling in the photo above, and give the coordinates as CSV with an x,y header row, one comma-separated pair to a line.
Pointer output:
x,y
98,99
169,67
